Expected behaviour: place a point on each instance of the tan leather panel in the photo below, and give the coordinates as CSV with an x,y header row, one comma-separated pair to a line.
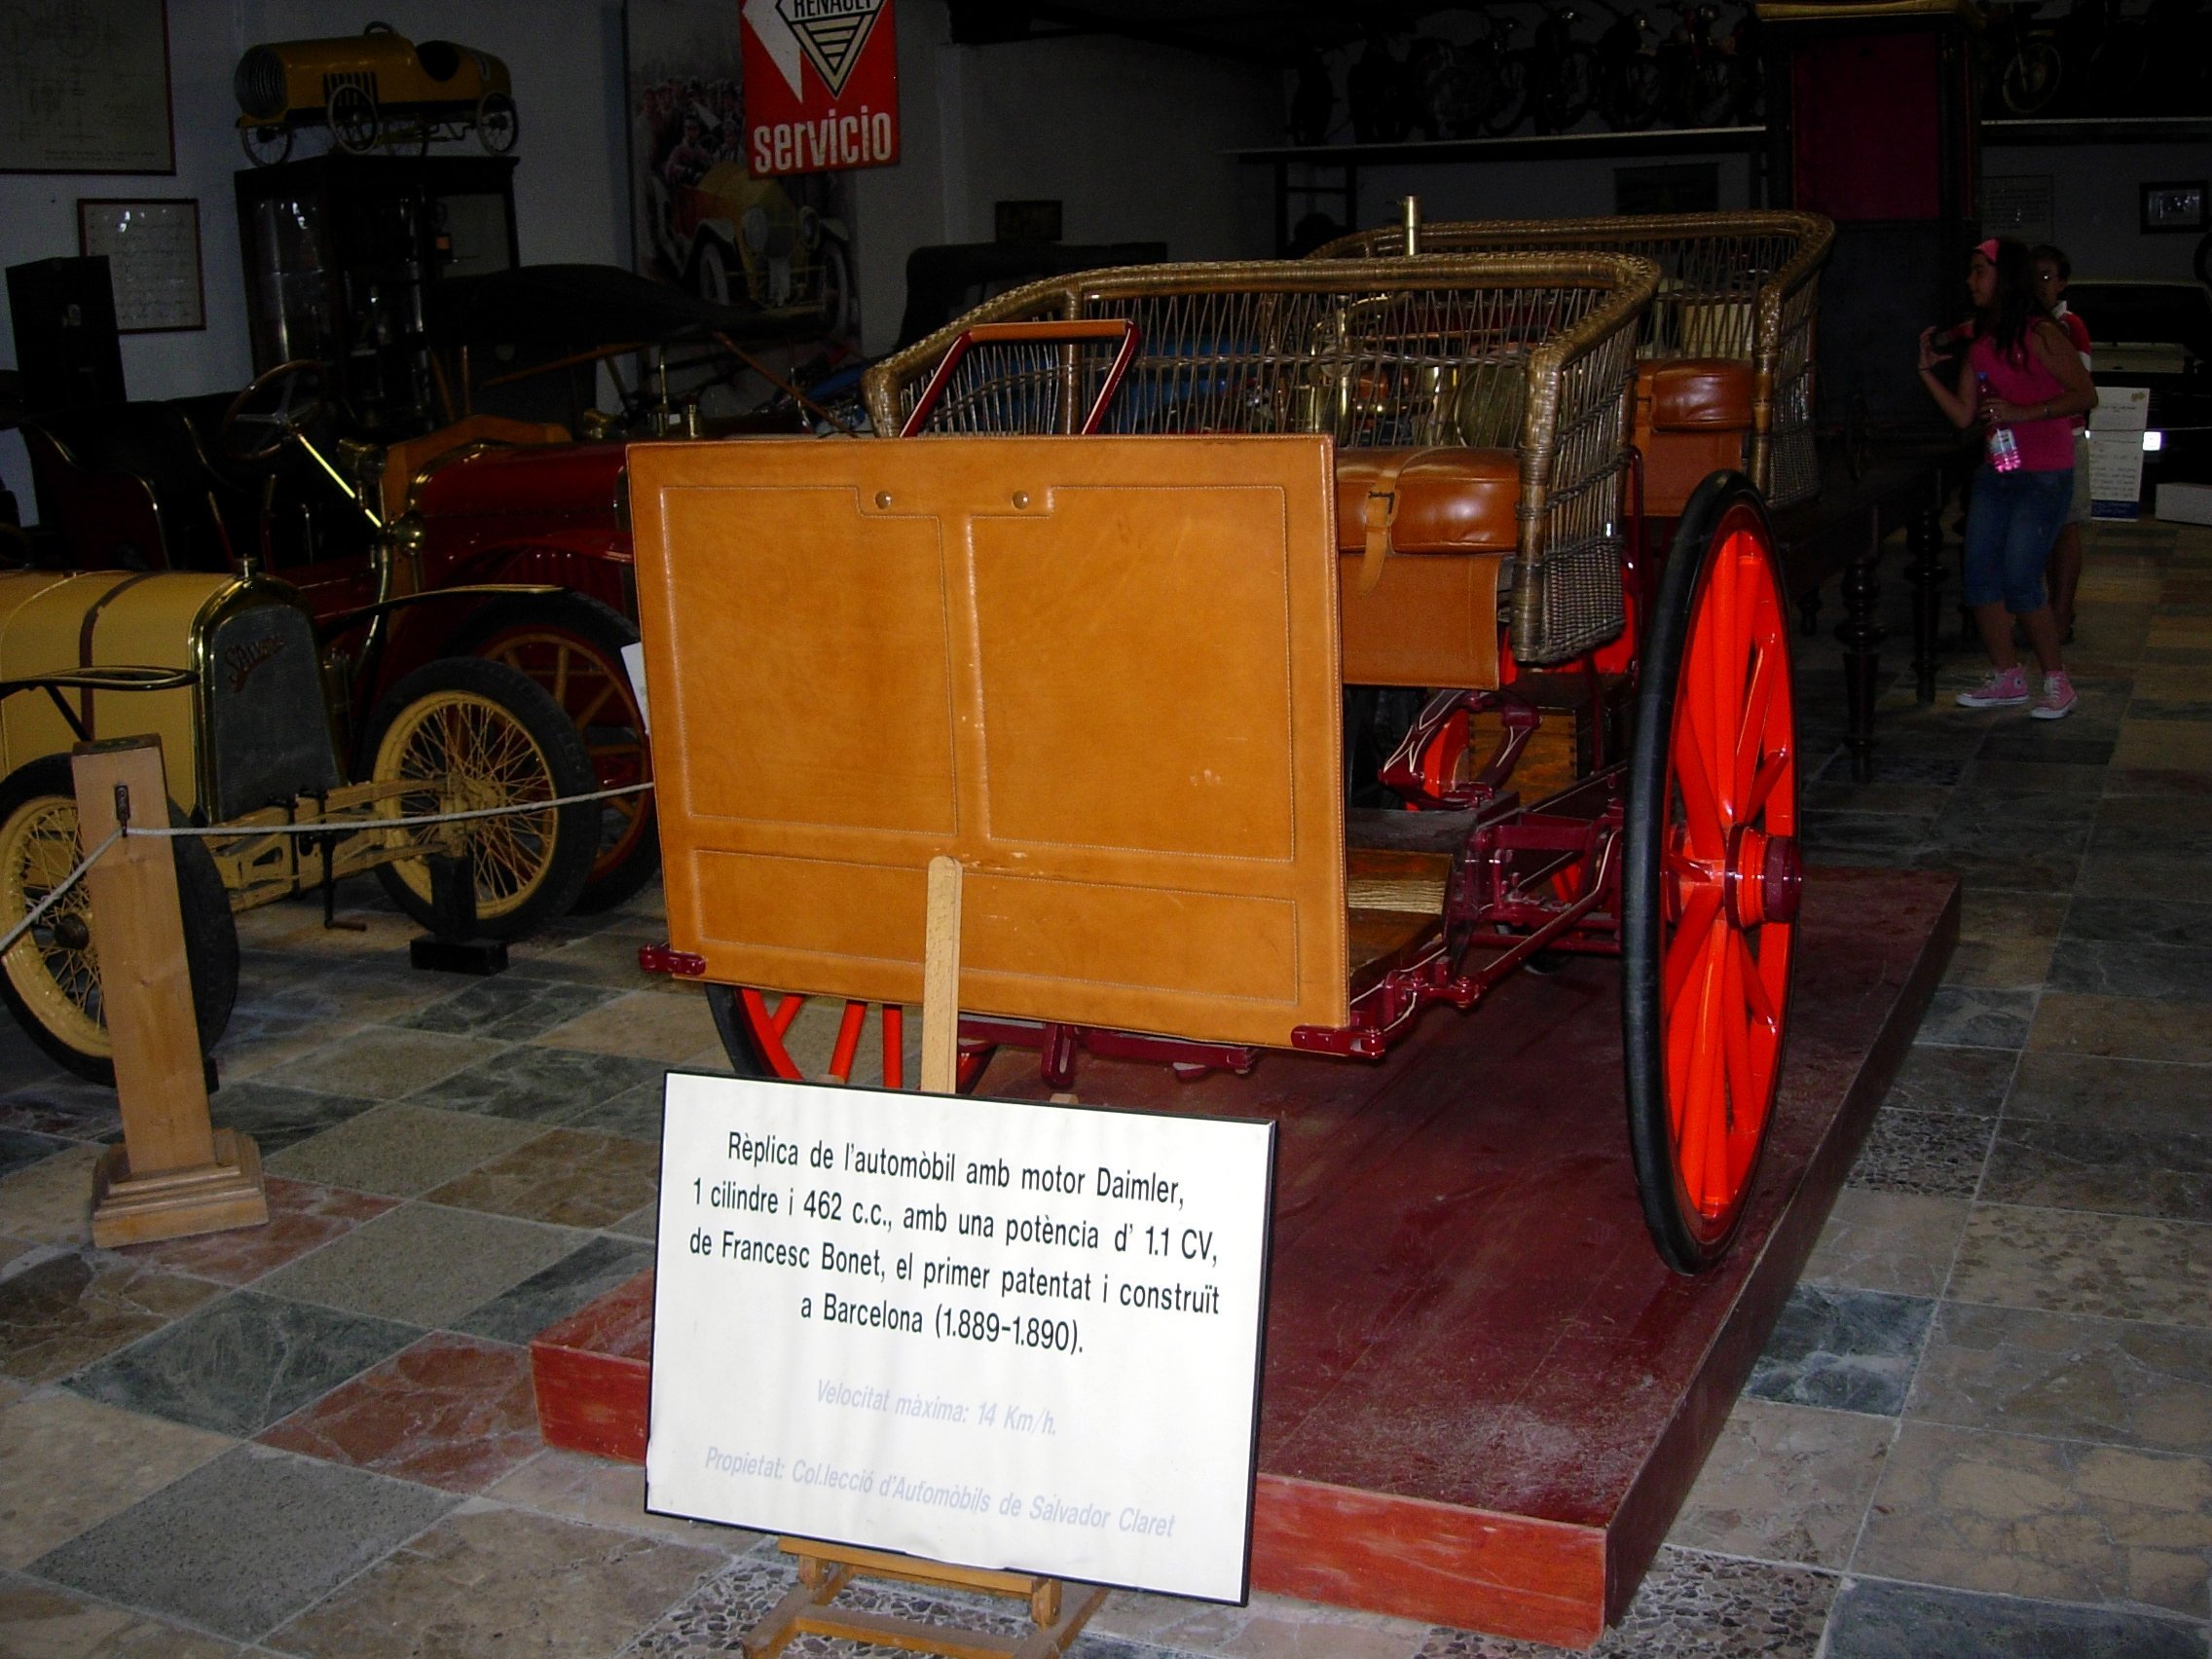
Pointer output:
x,y
1690,393
1675,463
1449,500
1059,593
1427,622
1103,675
802,656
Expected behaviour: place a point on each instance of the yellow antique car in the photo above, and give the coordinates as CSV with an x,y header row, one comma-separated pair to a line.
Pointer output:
x,y
376,87
225,670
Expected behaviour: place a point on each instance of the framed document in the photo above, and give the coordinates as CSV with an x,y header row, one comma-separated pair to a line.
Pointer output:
x,y
2176,205
152,260
85,88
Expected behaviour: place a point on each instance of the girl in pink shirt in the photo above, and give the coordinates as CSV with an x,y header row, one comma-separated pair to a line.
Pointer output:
x,y
2022,383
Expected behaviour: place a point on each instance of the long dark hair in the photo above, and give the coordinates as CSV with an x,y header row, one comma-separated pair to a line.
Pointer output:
x,y
2014,308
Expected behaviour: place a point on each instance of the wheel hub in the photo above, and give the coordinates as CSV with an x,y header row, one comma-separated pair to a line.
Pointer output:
x,y
71,933
1765,876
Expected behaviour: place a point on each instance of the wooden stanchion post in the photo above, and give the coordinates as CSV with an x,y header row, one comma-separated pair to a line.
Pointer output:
x,y
173,1175
1057,1611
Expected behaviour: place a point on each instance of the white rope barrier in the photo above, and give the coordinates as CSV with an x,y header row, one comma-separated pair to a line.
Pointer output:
x,y
319,827
329,825
55,898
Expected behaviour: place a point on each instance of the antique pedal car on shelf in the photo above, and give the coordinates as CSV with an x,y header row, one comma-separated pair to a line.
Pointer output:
x,y
376,87
225,670
1085,625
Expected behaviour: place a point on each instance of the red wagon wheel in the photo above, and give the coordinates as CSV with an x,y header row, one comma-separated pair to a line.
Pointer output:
x,y
1711,875
764,1037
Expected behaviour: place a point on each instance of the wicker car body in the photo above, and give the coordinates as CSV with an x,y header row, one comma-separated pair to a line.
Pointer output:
x,y
1525,354
1734,287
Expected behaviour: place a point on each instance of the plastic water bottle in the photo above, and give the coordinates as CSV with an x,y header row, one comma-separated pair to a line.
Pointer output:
x,y
2003,448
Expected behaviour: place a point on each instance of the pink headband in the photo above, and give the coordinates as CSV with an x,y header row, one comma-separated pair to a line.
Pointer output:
x,y
1987,249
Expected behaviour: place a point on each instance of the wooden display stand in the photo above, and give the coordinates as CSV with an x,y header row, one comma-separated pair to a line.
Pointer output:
x,y
173,1175
825,1570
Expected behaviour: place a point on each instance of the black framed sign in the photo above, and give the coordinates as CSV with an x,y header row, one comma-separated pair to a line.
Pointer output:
x,y
85,88
152,260
2175,205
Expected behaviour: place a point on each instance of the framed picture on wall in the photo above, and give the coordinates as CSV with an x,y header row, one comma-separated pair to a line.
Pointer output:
x,y
85,88
153,261
2174,206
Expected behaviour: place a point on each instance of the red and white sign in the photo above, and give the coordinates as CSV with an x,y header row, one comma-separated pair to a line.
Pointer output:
x,y
821,86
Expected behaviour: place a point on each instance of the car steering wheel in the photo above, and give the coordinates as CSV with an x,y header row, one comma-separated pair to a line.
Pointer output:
x,y
281,401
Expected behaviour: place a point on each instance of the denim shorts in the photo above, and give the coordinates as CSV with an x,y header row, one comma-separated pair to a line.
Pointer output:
x,y
2012,521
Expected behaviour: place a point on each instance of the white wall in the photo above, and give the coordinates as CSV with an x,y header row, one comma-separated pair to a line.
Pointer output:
x,y
1129,137
2098,208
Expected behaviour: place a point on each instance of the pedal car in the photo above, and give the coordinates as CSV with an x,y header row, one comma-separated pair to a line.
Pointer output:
x,y
226,671
376,86
1084,622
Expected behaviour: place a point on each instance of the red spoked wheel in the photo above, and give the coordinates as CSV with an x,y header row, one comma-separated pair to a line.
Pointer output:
x,y
828,1039
1711,875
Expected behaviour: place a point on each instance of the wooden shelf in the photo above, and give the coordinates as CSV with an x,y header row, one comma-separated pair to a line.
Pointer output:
x,y
1554,146
2098,130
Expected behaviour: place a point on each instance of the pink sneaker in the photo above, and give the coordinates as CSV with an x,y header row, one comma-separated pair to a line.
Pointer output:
x,y
2056,699
1999,689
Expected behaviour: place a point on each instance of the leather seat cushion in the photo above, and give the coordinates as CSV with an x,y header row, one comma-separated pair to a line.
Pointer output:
x,y
1449,501
1695,394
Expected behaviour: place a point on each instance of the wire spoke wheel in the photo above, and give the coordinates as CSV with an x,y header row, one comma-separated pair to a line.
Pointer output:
x,y
465,735
570,647
50,977
55,967
353,119
594,694
1712,876
828,1039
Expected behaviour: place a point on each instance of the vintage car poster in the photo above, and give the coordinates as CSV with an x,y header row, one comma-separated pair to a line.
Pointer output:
x,y
824,75
704,220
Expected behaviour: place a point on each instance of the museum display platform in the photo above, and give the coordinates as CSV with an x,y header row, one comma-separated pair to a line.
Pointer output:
x,y
1484,1398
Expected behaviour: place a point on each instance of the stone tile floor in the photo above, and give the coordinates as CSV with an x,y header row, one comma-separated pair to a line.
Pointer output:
x,y
1984,1425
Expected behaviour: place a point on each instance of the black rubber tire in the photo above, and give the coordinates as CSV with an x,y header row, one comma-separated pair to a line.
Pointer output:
x,y
607,631
1643,921
552,892
210,934
745,1056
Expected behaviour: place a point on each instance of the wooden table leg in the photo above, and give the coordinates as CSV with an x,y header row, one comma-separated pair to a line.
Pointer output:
x,y
173,1175
1924,542
1861,634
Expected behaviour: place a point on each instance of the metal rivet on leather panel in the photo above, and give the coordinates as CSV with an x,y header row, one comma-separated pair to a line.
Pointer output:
x,y
883,498
1021,498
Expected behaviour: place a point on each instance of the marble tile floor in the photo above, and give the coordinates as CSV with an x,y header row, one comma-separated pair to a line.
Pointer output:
x,y
1982,1427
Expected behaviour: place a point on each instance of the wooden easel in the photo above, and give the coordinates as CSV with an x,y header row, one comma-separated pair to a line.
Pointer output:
x,y
1057,1611
174,1175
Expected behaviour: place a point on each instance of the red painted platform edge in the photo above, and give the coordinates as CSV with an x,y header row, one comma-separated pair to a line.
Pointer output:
x,y
1416,1559
593,1373
1648,1511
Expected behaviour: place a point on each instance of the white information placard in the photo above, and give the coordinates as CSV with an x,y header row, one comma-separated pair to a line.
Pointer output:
x,y
2116,451
998,1333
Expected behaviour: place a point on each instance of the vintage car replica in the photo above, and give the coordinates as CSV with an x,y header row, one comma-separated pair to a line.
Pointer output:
x,y
529,563
1084,625
370,89
225,671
